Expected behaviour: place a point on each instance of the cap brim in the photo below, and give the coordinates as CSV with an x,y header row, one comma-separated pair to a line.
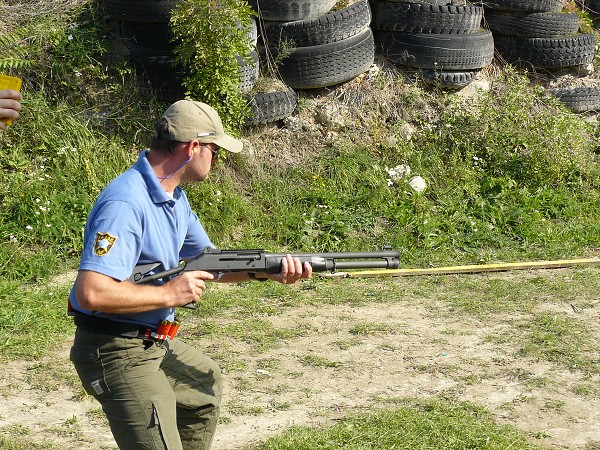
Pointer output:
x,y
230,144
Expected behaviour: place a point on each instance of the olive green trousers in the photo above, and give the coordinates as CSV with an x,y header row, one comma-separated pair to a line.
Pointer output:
x,y
159,397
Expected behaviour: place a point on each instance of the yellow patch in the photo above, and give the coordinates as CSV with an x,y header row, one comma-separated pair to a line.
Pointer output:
x,y
104,243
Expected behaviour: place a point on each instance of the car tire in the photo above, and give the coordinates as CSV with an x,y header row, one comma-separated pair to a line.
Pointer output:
x,y
331,27
523,5
288,10
444,52
141,10
426,18
159,35
430,2
533,24
550,53
579,99
449,80
270,107
328,64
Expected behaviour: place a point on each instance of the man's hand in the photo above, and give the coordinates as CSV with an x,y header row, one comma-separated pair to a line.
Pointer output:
x,y
187,287
9,105
292,270
97,292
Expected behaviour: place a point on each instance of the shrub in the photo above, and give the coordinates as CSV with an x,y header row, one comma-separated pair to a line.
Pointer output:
x,y
209,36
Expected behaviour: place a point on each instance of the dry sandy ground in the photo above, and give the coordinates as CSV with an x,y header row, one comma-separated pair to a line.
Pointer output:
x,y
332,369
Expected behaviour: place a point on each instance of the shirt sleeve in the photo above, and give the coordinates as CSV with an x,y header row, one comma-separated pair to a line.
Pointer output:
x,y
196,238
113,240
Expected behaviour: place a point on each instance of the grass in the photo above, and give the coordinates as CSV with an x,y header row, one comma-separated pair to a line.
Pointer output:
x,y
561,339
22,444
32,320
412,425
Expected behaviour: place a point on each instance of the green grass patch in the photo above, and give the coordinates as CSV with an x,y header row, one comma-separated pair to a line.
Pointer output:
x,y
20,443
370,328
414,425
32,321
256,332
312,360
561,339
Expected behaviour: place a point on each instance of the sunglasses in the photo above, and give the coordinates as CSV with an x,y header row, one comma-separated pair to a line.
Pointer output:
x,y
215,153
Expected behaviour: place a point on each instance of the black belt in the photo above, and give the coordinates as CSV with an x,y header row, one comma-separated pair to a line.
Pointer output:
x,y
112,327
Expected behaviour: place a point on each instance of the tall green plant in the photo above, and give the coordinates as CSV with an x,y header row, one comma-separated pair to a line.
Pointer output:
x,y
210,38
13,55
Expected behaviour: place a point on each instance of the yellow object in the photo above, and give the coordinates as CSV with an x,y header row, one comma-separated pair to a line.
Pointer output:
x,y
8,82
469,269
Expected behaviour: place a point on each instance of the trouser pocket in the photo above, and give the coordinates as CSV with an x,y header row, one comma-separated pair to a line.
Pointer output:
x,y
157,424
86,359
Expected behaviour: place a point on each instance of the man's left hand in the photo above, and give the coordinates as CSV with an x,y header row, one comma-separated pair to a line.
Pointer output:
x,y
292,270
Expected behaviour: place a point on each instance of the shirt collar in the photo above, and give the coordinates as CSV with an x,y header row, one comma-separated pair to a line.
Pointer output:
x,y
156,191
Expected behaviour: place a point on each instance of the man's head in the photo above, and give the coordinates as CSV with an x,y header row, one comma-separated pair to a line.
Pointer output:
x,y
188,120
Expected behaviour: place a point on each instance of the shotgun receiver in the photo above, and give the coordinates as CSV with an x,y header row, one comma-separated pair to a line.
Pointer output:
x,y
223,261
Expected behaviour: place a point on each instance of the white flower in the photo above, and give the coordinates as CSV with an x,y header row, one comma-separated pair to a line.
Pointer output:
x,y
29,227
397,173
417,183
401,170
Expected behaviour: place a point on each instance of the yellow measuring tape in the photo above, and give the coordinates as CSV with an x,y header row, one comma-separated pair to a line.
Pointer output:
x,y
476,268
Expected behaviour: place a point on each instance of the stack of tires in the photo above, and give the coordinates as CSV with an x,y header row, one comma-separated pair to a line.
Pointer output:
x,y
146,33
593,9
314,46
442,38
537,33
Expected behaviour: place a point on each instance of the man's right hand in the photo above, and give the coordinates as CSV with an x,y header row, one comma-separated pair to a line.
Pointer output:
x,y
97,292
187,287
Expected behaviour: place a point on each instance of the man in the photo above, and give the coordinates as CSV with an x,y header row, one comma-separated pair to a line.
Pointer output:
x,y
157,393
9,106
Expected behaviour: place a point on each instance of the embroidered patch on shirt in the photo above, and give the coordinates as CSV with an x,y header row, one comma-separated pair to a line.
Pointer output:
x,y
104,242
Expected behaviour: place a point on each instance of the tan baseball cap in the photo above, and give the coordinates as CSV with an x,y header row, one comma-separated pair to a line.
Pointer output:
x,y
190,120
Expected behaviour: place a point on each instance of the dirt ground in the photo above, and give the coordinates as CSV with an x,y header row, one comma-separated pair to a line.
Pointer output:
x,y
330,370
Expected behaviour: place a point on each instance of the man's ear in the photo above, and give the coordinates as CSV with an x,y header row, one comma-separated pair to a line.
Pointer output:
x,y
192,147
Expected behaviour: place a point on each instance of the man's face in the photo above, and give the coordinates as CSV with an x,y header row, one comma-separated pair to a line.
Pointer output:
x,y
202,161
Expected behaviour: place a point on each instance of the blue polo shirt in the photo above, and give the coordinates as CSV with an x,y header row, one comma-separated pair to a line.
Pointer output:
x,y
134,221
